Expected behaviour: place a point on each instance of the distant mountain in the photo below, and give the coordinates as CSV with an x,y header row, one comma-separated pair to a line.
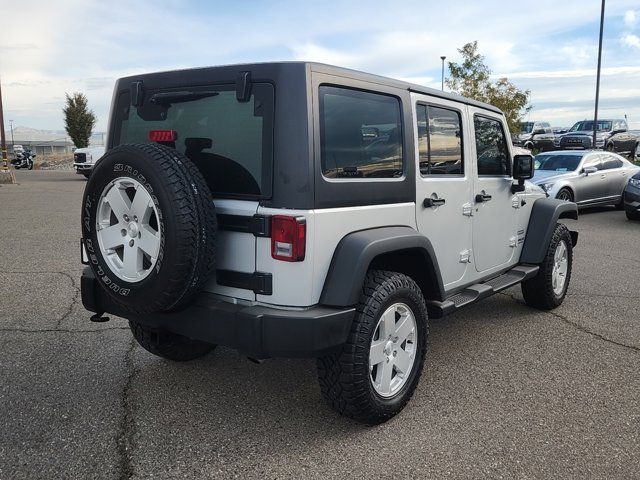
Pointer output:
x,y
28,134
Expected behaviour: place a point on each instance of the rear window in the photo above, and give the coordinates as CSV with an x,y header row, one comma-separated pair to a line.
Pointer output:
x,y
360,134
229,141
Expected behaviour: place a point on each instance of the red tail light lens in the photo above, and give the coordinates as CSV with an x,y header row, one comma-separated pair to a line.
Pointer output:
x,y
288,238
163,135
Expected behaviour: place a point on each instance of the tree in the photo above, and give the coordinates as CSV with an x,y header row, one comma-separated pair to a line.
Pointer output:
x,y
78,119
472,79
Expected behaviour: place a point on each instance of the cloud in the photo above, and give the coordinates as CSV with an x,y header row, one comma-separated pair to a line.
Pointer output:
x,y
85,45
630,18
631,40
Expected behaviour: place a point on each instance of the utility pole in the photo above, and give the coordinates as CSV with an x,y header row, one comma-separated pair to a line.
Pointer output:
x,y
442,58
3,143
6,175
595,116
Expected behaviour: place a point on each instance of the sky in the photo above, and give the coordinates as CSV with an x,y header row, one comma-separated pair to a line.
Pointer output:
x,y
48,48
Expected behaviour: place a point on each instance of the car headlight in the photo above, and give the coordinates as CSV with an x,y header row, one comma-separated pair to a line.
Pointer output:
x,y
547,186
634,182
556,142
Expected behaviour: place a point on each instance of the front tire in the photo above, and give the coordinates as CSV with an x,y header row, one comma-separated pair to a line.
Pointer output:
x,y
565,194
632,214
548,288
377,370
169,345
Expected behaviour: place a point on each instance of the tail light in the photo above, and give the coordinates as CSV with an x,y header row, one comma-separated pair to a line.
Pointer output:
x,y
163,135
288,238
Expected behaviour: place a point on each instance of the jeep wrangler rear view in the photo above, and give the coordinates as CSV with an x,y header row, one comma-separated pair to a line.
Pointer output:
x,y
304,210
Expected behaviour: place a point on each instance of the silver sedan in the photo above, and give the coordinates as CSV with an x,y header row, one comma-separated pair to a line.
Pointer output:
x,y
587,177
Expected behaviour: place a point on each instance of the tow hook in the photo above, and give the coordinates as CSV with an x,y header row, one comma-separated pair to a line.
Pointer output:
x,y
98,318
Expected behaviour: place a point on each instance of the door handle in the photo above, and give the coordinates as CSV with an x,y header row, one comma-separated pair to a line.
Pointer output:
x,y
603,176
433,202
481,197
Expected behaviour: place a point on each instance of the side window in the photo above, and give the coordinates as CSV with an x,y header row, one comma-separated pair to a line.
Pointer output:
x,y
360,134
593,161
491,147
609,162
439,141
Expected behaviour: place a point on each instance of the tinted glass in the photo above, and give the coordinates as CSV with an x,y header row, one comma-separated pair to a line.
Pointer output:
x,y
557,163
360,134
229,141
603,126
440,145
491,147
609,162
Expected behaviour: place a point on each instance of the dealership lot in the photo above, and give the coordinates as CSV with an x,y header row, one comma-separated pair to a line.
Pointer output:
x,y
507,390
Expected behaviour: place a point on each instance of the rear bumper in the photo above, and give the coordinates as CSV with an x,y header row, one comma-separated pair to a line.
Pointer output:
x,y
256,331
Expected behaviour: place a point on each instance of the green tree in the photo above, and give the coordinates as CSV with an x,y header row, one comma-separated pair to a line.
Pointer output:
x,y
472,79
78,119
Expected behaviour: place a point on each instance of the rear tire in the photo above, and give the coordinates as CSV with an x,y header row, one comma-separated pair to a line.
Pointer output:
x,y
169,345
354,380
544,291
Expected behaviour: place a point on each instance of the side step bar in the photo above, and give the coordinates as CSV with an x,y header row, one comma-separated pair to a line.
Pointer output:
x,y
478,291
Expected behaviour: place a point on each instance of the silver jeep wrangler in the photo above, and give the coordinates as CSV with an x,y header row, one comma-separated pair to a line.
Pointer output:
x,y
304,210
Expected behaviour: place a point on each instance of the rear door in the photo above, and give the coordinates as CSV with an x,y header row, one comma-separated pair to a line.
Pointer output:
x,y
617,174
443,181
230,141
494,210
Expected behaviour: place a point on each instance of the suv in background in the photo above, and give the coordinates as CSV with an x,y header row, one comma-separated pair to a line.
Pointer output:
x,y
580,136
537,136
302,210
84,159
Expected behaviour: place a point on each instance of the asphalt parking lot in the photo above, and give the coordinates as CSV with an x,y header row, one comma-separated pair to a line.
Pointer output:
x,y
507,391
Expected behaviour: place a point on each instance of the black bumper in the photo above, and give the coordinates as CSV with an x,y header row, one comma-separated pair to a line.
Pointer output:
x,y
256,331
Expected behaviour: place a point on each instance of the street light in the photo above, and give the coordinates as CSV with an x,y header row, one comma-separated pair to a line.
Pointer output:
x,y
595,116
11,127
442,58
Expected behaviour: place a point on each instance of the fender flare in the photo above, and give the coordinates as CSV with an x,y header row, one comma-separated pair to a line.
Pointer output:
x,y
545,213
355,252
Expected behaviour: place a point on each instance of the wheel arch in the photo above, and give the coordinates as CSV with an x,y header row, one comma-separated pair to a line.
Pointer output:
x,y
545,213
400,249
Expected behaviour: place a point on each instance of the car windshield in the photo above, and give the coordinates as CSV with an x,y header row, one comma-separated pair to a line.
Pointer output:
x,y
587,126
526,127
557,163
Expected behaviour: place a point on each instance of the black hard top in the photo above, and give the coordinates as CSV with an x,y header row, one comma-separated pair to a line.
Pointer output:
x,y
326,69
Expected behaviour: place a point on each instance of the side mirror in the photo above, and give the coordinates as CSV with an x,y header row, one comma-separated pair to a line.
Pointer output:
x,y
522,167
588,170
522,170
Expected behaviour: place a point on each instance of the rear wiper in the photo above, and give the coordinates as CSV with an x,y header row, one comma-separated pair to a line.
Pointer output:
x,y
167,98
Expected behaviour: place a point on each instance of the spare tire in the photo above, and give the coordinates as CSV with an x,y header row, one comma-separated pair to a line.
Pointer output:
x,y
149,227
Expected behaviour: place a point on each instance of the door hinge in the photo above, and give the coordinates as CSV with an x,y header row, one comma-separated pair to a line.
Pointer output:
x,y
513,242
467,210
515,202
465,256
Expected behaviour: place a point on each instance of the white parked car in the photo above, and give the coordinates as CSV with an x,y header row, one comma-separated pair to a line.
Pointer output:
x,y
84,159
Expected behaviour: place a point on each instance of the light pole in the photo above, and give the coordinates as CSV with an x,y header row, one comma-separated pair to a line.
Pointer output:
x,y
11,127
442,58
595,116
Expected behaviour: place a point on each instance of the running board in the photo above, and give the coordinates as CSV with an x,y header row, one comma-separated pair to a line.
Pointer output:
x,y
478,291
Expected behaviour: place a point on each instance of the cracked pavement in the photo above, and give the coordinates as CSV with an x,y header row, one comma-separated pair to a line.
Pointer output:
x,y
507,391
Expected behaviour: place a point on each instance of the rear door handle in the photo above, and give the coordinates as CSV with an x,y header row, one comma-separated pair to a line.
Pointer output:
x,y
481,197
433,202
